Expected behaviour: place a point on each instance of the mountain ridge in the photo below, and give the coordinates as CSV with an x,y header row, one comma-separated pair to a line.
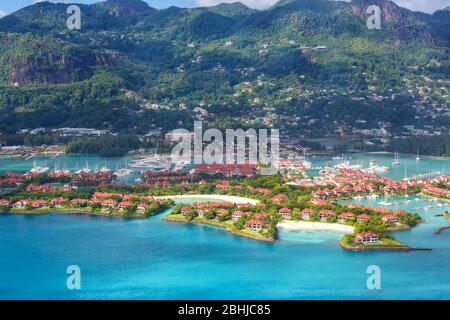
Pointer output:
x,y
217,58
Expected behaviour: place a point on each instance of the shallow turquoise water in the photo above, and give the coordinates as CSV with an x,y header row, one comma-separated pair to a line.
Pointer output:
x,y
408,167
154,259
66,162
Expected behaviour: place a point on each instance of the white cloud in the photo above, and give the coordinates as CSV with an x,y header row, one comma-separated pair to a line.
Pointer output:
x,y
417,5
3,13
423,5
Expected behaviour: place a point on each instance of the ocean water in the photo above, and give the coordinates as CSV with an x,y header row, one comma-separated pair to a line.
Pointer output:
x,y
408,167
71,162
155,259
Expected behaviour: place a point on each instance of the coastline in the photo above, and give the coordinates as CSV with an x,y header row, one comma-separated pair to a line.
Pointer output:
x,y
232,199
433,197
240,233
76,211
398,248
316,226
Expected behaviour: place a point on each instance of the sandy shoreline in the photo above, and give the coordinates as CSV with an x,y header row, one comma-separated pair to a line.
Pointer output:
x,y
212,197
319,226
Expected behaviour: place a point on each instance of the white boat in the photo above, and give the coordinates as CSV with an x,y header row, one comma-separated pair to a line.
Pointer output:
x,y
396,159
123,172
155,163
338,158
347,165
418,157
376,169
85,170
105,170
39,170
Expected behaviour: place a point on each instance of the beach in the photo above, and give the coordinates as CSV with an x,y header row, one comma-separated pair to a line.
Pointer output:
x,y
318,226
212,197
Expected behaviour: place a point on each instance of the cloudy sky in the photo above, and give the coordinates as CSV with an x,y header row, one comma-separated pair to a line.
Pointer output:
x,y
8,6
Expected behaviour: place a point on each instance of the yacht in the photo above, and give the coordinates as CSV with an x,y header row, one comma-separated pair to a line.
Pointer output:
x,y
396,159
418,157
347,165
104,169
154,163
375,169
84,170
39,170
123,172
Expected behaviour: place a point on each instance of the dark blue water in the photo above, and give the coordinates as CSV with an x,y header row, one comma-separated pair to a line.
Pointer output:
x,y
154,259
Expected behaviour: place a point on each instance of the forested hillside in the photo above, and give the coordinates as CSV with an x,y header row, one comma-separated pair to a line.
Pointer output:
x,y
311,67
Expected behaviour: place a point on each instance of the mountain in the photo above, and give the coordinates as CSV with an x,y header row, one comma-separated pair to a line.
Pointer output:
x,y
231,9
125,8
296,65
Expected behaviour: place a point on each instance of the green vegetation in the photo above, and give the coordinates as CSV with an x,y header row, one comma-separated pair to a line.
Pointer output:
x,y
106,146
434,145
386,242
299,64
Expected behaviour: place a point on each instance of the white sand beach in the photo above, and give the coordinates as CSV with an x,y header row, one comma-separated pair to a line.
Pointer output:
x,y
319,226
213,197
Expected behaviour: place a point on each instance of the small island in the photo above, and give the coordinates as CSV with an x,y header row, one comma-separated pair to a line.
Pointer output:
x,y
242,219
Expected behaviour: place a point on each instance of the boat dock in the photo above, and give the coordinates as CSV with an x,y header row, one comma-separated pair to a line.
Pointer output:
x,y
441,230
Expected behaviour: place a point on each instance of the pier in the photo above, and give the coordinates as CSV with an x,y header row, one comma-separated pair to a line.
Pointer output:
x,y
441,230
425,175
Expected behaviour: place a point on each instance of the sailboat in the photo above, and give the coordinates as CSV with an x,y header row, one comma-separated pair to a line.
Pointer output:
x,y
396,159
124,171
417,157
105,169
85,170
37,169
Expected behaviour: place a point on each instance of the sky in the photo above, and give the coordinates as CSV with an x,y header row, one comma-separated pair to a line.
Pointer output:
x,y
429,6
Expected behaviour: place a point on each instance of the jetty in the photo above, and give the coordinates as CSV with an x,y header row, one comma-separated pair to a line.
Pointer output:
x,y
441,230
425,175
